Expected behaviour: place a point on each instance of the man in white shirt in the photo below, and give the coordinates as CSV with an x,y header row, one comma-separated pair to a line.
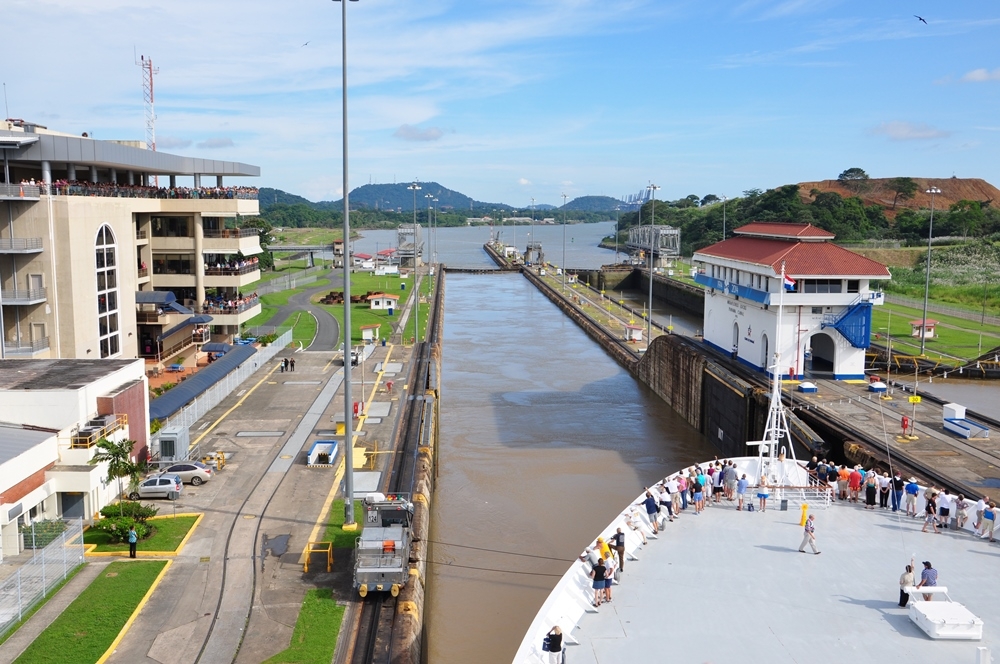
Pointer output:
x,y
944,501
675,494
980,508
666,501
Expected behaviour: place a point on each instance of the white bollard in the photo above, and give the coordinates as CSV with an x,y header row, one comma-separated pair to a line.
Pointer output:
x,y
983,655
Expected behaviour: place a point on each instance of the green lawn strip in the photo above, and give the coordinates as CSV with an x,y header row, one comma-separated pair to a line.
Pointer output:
x,y
303,327
167,537
962,343
266,313
913,313
30,612
342,539
362,314
316,630
88,626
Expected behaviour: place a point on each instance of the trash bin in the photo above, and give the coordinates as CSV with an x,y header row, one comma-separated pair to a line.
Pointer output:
x,y
383,343
784,505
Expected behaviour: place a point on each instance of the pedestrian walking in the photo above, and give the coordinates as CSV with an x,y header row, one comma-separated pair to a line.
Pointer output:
x,y
928,578
905,581
809,536
961,511
281,365
133,541
291,363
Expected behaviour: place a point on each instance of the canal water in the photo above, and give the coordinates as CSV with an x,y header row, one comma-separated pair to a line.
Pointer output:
x,y
544,439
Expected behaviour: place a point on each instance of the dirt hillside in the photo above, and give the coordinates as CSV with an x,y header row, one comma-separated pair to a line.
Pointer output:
x,y
877,192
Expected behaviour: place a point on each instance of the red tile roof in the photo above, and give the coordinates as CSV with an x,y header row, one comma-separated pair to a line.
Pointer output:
x,y
802,259
377,295
784,230
363,257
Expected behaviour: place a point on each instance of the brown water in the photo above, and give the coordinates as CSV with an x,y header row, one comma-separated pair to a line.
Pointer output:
x,y
544,440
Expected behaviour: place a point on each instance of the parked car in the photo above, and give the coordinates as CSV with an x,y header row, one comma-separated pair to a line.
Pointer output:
x,y
158,486
191,472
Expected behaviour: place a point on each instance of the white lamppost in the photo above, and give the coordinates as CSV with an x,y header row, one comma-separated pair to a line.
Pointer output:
x,y
531,240
430,198
927,277
416,281
652,222
618,212
724,199
349,523
434,251
564,244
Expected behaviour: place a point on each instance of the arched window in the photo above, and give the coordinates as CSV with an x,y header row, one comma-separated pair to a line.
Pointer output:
x,y
107,293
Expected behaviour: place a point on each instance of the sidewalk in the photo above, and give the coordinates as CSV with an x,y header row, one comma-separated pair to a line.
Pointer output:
x,y
30,630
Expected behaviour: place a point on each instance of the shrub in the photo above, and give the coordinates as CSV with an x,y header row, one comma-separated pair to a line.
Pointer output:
x,y
134,510
267,339
117,528
39,534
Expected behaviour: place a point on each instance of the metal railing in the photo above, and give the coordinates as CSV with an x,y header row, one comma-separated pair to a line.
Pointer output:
x,y
814,495
212,397
20,191
231,271
246,304
81,441
943,309
231,232
21,244
23,295
33,579
140,235
25,347
143,272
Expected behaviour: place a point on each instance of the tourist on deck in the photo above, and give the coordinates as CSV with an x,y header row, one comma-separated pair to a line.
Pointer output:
x,y
618,544
555,637
763,491
741,490
884,489
989,519
854,483
809,535
928,577
682,488
821,471
905,581
843,476
634,522
944,502
911,489
961,511
812,466
980,509
871,490
700,481
598,573
666,502
717,486
930,514
897,491
705,487
609,575
652,508
675,495
729,478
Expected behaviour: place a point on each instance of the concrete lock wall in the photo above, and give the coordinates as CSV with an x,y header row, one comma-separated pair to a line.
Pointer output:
x,y
675,293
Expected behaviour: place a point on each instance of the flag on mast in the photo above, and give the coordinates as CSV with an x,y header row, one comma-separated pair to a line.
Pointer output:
x,y
789,283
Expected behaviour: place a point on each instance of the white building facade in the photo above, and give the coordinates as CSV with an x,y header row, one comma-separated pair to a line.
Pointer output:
x,y
826,308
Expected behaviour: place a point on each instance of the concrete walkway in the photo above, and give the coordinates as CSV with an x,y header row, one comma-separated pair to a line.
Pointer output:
x,y
29,631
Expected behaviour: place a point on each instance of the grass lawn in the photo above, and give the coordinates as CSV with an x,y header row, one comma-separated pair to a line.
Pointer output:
x,y
270,303
361,314
303,327
963,343
168,536
30,612
334,531
88,626
316,630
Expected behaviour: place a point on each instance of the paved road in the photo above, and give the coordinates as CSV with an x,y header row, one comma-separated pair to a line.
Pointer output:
x,y
327,328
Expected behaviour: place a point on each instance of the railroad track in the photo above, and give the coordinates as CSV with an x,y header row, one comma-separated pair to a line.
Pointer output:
x,y
372,635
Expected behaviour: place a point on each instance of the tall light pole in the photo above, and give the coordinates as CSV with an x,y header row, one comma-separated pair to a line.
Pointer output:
x,y
652,222
618,213
532,240
416,288
434,252
564,244
927,277
349,523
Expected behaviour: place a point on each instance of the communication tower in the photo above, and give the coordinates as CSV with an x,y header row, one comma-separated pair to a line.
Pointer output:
x,y
147,96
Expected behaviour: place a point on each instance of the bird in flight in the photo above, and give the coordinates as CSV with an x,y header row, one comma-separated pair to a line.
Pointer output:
x,y
919,18
307,43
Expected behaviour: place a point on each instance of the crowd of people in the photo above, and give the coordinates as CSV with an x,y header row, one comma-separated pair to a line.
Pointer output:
x,y
222,304
233,264
119,190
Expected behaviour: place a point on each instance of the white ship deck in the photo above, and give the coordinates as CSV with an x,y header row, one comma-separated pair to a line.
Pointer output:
x,y
730,586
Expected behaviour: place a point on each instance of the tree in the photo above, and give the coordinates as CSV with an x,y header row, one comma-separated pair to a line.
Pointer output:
x,y
118,456
967,215
854,179
904,188
709,199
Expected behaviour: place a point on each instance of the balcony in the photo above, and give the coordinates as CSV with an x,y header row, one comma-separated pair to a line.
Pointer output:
x,y
23,297
21,245
26,349
19,192
96,429
232,240
143,273
141,237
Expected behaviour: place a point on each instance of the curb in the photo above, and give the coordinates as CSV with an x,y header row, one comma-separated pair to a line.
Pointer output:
x,y
88,549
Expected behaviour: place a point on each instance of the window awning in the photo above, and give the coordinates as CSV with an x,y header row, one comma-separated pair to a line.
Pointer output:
x,y
216,347
155,297
201,319
179,308
176,328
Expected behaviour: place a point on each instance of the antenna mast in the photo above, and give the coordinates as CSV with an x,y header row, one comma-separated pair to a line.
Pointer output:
x,y
148,71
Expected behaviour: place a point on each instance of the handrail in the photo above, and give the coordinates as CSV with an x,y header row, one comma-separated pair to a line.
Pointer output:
x,y
79,442
20,243
230,232
20,191
23,294
26,348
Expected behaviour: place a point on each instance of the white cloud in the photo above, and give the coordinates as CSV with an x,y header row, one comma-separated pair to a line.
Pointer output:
x,y
909,131
172,143
411,133
524,182
982,76
215,143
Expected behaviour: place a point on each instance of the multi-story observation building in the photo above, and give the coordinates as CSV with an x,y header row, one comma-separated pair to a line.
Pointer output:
x,y
111,250
826,299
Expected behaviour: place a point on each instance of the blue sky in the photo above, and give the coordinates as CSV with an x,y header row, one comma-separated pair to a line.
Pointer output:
x,y
510,100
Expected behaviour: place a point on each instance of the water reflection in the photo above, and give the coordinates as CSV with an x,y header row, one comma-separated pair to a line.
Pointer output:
x,y
544,439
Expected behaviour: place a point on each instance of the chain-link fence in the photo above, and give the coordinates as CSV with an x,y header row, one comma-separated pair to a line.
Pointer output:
x,y
53,549
288,282
194,411
942,309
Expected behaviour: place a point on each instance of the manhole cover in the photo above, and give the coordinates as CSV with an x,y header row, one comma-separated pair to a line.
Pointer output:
x,y
249,516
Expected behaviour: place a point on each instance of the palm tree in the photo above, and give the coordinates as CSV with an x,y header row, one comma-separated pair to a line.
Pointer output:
x,y
118,456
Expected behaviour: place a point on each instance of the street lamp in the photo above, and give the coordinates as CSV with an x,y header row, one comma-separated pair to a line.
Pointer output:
x,y
532,238
349,523
652,221
416,281
724,199
618,212
564,244
927,278
434,252
429,197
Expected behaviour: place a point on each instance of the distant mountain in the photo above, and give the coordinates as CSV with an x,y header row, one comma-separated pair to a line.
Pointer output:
x,y
268,197
593,204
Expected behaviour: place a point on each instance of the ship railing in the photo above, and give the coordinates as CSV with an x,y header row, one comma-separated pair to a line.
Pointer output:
x,y
814,495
